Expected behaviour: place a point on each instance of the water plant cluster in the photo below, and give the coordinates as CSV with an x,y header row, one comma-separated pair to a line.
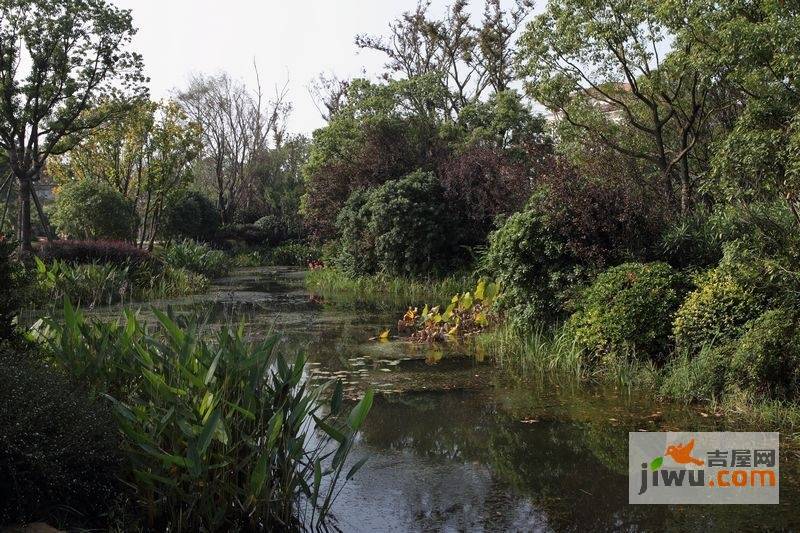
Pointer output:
x,y
216,432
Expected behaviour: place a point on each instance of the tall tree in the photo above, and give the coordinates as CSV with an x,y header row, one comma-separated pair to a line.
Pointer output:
x,y
58,59
467,60
145,155
237,125
606,70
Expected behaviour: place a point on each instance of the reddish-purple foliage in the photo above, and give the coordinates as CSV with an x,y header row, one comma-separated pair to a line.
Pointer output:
x,y
74,251
385,150
608,217
481,183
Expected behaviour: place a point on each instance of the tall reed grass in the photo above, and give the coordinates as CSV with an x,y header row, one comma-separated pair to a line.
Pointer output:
x,y
219,434
386,290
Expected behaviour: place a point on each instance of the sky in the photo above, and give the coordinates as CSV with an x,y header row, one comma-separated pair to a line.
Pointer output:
x,y
292,40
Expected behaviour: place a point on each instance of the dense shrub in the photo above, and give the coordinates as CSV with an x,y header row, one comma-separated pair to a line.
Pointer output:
x,y
533,265
59,456
248,214
118,253
766,359
480,183
716,311
196,257
89,209
399,228
189,215
628,310
697,239
12,283
273,227
238,235
292,254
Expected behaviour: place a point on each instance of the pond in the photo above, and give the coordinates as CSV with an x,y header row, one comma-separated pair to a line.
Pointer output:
x,y
455,444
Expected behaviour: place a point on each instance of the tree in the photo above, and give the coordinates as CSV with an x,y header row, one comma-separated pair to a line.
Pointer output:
x,y
146,154
236,126
58,59
467,61
602,68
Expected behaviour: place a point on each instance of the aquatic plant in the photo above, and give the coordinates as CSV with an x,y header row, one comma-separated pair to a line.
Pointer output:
x,y
467,313
219,434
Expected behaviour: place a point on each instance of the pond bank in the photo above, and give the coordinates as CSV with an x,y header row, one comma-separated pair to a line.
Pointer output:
x,y
454,443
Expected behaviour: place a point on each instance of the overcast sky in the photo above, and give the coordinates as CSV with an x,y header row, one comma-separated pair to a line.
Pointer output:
x,y
294,39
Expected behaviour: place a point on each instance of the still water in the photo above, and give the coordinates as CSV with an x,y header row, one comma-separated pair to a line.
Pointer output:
x,y
454,444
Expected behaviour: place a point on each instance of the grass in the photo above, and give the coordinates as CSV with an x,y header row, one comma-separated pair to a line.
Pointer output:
x,y
541,352
386,290
552,354
94,284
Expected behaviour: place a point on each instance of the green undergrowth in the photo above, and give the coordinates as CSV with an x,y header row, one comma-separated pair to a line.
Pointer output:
x,y
384,290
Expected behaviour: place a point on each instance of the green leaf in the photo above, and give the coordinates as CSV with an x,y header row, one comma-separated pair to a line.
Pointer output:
x,y
210,427
360,411
274,428
259,475
656,463
336,398
330,430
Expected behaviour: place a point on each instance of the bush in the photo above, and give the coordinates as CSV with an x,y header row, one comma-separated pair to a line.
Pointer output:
x,y
766,359
292,254
481,183
273,227
629,309
715,312
533,265
237,235
89,209
119,253
58,457
189,215
219,434
196,257
400,228
87,284
13,282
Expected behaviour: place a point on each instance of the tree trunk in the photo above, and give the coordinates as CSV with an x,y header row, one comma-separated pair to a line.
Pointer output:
x,y
25,233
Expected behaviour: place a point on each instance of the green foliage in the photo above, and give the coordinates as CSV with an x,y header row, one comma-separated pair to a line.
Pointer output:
x,y
13,283
389,291
766,359
218,434
291,254
196,257
189,215
86,284
628,309
399,228
466,314
697,378
58,459
534,266
95,283
716,311
89,209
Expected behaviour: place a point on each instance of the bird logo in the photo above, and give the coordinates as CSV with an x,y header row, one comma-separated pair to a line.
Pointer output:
x,y
682,453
